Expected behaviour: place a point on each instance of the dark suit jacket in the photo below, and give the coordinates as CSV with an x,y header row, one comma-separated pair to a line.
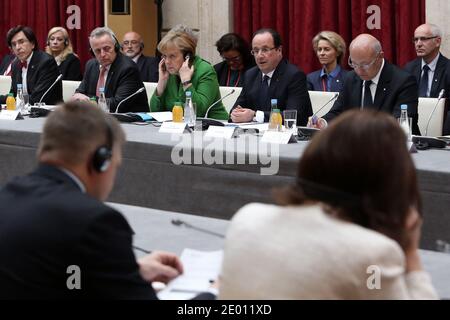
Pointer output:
x,y
46,225
123,80
395,87
440,74
70,68
288,85
315,82
148,68
5,63
222,73
42,72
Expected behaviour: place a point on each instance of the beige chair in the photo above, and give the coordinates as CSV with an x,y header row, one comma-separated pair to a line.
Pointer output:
x,y
229,101
5,85
69,88
319,99
431,116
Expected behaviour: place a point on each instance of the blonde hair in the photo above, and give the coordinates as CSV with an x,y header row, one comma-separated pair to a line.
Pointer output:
x,y
180,39
68,48
334,39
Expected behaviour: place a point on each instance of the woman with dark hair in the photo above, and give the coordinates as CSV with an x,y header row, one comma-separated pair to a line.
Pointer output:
x,y
330,50
237,59
348,229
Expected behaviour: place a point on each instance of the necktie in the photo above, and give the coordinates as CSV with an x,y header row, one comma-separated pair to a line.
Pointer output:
x,y
101,80
423,86
264,93
24,64
368,100
325,82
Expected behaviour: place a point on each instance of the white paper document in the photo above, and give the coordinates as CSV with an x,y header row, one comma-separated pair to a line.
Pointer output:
x,y
161,116
200,269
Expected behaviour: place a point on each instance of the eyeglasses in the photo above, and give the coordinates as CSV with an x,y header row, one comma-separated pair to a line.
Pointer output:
x,y
423,39
256,51
132,42
233,59
366,66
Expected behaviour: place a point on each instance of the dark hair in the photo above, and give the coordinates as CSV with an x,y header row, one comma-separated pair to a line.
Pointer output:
x,y
233,41
27,31
360,166
275,35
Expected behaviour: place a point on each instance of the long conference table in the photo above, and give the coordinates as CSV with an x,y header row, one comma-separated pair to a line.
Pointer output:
x,y
218,176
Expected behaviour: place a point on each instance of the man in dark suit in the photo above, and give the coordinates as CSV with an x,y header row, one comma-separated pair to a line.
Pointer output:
x,y
374,83
272,78
34,69
132,47
6,65
58,239
114,72
430,67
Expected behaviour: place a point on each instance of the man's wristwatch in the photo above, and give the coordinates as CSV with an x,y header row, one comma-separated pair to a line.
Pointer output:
x,y
185,83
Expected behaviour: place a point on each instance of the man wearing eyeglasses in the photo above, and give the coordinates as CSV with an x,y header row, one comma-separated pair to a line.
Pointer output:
x,y
133,47
430,66
374,83
272,78
33,68
111,70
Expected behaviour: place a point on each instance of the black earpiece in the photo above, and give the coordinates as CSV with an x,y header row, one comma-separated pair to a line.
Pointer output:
x,y
102,156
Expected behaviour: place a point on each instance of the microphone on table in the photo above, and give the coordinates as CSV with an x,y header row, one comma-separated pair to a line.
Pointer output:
x,y
314,117
53,84
142,250
36,112
179,223
130,96
441,95
206,122
225,96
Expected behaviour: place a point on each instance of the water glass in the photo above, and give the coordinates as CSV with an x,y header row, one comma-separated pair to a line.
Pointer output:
x,y
290,121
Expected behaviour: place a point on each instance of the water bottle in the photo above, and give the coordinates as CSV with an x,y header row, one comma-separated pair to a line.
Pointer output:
x,y
102,104
404,121
189,112
20,101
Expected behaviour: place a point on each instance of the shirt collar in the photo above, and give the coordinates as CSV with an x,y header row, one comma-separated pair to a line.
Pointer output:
x,y
376,79
432,65
135,59
74,179
270,74
333,74
29,59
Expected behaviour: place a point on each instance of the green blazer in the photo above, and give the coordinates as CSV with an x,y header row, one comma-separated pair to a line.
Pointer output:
x,y
204,88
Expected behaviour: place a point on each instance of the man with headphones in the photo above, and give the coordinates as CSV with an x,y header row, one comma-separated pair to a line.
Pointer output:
x,y
54,219
132,47
114,72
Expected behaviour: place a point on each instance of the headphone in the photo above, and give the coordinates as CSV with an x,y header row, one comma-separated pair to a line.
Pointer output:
x,y
117,45
102,156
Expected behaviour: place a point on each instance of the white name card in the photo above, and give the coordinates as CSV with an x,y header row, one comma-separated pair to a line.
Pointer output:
x,y
220,132
278,137
173,127
10,115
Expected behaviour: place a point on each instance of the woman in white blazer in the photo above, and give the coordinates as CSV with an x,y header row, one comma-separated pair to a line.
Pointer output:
x,y
348,229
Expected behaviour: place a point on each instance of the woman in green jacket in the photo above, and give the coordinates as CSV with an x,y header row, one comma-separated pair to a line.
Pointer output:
x,y
181,70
